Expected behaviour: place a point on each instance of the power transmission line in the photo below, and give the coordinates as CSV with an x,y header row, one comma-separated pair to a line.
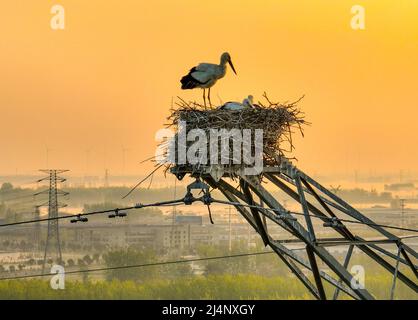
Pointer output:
x,y
146,264
17,197
181,202
313,216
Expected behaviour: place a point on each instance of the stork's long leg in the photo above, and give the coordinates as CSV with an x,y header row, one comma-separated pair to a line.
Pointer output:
x,y
210,103
204,98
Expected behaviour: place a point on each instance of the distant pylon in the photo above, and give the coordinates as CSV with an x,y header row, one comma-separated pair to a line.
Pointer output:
x,y
53,246
37,232
174,218
402,204
106,178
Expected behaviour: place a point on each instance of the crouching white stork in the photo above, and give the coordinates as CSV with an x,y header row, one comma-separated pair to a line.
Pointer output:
x,y
205,75
246,104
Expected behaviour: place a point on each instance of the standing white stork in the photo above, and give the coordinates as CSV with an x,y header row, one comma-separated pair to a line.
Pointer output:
x,y
205,75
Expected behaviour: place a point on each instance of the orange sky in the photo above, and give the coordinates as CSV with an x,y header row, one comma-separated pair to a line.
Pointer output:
x,y
106,82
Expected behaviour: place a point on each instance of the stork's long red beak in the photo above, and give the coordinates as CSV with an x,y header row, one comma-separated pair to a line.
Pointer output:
x,y
232,66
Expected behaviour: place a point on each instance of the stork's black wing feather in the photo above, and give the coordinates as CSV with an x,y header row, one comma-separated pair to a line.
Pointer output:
x,y
188,82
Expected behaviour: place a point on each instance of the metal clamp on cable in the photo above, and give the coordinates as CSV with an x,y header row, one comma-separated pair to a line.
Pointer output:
x,y
117,214
189,198
196,185
207,198
334,223
79,218
281,216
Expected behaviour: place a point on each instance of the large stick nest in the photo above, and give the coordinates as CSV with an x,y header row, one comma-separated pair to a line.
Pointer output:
x,y
279,122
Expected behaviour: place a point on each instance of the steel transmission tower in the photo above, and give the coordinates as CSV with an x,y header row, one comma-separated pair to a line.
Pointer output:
x,y
334,219
37,232
52,246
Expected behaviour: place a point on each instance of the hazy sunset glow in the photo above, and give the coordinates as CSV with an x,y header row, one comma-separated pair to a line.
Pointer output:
x,y
98,91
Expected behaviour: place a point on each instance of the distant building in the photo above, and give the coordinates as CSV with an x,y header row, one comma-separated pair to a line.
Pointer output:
x,y
198,220
399,186
156,236
188,232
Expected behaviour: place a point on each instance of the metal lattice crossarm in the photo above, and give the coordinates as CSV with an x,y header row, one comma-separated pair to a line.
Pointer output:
x,y
257,205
